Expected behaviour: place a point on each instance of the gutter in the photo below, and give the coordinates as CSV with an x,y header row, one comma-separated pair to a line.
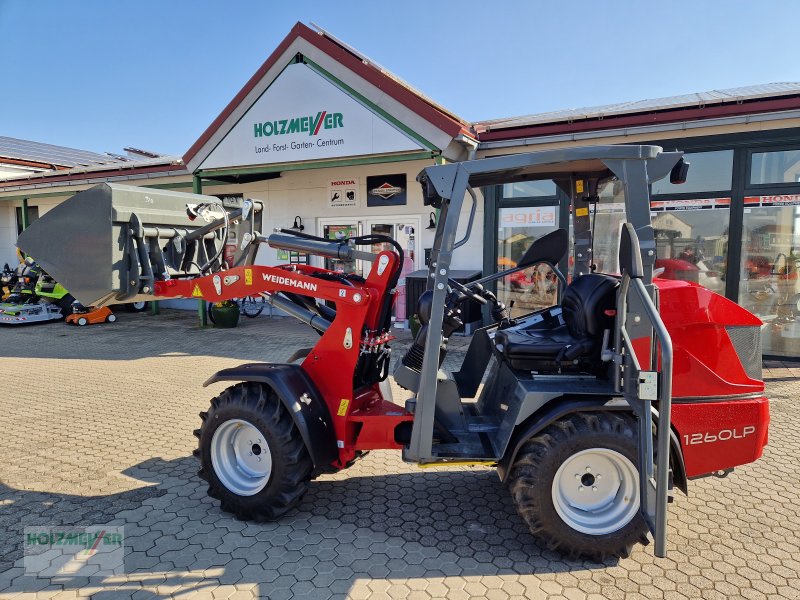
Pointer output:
x,y
93,180
644,129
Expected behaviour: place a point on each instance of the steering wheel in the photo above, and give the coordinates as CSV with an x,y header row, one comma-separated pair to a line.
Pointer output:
x,y
465,291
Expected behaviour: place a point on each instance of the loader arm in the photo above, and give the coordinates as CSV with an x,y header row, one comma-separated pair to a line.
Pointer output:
x,y
343,340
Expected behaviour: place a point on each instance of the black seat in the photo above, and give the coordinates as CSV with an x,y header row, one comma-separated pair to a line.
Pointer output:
x,y
588,309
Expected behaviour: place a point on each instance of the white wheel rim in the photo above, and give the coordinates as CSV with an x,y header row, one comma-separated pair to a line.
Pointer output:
x,y
240,457
139,305
111,318
596,491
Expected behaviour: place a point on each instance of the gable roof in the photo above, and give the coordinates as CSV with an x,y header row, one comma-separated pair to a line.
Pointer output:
x,y
387,83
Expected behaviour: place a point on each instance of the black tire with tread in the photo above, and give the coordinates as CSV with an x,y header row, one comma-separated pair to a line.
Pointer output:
x,y
531,478
291,463
130,307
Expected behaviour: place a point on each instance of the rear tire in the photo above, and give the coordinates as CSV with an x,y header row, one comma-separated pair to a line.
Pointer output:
x,y
137,307
556,469
111,318
252,454
82,321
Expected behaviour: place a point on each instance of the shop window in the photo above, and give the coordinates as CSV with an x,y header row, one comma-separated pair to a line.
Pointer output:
x,y
692,242
769,272
781,166
529,189
536,287
709,172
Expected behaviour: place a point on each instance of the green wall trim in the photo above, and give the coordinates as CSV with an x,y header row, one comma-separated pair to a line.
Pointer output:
x,y
304,165
24,212
370,105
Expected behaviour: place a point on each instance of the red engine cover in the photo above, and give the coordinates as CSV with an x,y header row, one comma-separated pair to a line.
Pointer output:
x,y
719,412
705,360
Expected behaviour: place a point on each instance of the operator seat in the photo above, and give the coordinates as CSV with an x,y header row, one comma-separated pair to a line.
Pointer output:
x,y
588,309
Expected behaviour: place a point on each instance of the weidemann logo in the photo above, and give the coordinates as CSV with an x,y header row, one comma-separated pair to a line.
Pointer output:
x,y
310,124
287,281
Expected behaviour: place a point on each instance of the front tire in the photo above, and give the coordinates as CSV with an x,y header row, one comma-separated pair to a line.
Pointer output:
x,y
252,454
576,485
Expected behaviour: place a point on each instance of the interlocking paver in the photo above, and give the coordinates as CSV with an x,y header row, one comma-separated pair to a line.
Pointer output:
x,y
113,446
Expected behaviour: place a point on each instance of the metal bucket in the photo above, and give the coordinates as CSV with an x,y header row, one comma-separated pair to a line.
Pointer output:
x,y
110,243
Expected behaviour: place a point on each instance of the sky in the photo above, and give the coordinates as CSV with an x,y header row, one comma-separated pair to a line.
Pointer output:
x,y
102,75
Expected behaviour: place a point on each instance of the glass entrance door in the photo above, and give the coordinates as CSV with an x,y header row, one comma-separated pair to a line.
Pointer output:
x,y
337,230
403,229
517,228
769,273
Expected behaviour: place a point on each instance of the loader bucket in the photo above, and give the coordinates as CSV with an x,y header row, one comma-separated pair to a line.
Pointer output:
x,y
108,244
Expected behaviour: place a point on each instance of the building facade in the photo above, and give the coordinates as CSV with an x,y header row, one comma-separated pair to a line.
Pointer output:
x,y
332,142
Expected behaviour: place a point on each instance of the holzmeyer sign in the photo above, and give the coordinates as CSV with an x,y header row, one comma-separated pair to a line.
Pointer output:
x,y
343,192
538,216
303,116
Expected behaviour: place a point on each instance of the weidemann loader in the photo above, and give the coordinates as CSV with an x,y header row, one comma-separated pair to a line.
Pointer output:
x,y
591,410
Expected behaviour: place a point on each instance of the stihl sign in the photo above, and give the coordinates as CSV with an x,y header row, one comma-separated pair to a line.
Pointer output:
x,y
289,282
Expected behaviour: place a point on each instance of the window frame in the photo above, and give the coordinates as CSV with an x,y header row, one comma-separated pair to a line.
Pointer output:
x,y
761,187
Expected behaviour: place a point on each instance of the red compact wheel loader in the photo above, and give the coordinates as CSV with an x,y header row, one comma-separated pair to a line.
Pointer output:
x,y
591,410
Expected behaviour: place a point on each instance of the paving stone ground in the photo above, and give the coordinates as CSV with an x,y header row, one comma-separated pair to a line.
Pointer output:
x,y
96,428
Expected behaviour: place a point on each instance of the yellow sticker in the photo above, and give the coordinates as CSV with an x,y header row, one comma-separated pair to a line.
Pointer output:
x,y
196,293
248,276
581,212
579,186
343,407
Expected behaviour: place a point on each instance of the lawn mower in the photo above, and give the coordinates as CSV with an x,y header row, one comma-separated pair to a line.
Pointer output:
x,y
82,315
591,410
20,283
8,279
35,296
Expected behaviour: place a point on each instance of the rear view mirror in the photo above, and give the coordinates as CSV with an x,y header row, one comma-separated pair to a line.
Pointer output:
x,y
679,172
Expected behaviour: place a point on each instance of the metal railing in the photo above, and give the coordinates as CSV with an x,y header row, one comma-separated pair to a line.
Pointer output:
x,y
641,388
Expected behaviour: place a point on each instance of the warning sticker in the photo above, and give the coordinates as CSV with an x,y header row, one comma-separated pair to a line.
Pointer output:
x,y
343,407
196,293
248,276
581,212
579,186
